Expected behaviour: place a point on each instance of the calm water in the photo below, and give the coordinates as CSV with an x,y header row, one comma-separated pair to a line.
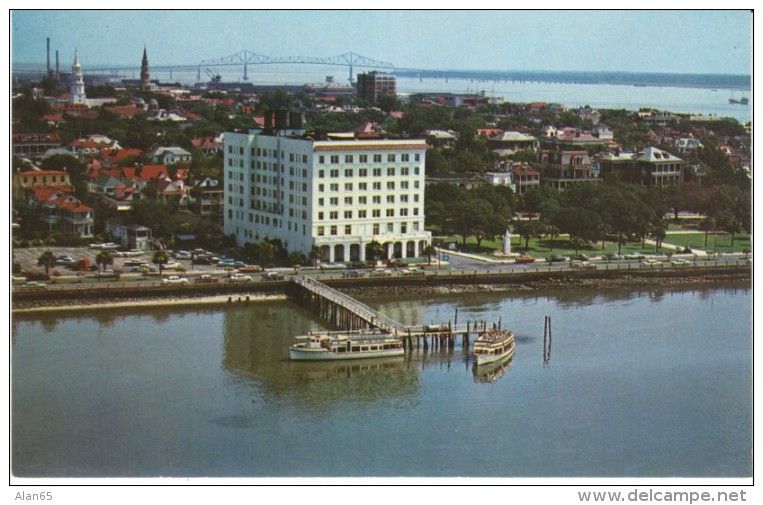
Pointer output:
x,y
691,100
638,383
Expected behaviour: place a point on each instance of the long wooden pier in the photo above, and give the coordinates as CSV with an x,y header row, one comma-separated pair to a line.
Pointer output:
x,y
345,312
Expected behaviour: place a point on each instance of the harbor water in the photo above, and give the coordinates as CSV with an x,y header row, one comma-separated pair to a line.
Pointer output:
x,y
630,383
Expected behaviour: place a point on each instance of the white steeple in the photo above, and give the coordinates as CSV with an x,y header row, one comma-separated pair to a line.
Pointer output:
x,y
77,86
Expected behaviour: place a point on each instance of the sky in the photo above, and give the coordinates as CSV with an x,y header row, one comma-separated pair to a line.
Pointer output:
x,y
682,41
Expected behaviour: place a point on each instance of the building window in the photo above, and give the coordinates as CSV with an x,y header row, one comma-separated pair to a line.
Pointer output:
x,y
348,229
334,201
376,228
334,187
321,231
363,158
403,228
361,214
376,199
348,186
348,214
321,174
348,172
376,213
390,212
348,200
321,187
390,198
377,172
333,215
404,157
334,158
403,212
404,171
362,200
377,158
390,227
348,158
390,171
363,172
320,216
377,186
362,186
333,230
320,202
417,157
390,185
334,173
391,158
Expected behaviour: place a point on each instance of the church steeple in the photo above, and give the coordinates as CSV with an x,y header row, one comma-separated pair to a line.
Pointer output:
x,y
145,76
77,85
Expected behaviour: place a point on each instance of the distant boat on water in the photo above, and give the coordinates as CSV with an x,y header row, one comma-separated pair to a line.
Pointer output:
x,y
742,101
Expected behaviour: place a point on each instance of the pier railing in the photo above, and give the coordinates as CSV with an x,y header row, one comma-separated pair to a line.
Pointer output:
x,y
371,316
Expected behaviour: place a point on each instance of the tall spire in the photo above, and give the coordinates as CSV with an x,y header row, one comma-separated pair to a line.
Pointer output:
x,y
145,76
77,85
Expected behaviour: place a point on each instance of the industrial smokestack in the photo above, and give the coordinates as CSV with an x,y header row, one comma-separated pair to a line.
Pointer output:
x,y
58,72
49,57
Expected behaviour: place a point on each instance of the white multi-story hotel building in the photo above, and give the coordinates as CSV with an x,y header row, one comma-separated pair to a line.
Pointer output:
x,y
337,195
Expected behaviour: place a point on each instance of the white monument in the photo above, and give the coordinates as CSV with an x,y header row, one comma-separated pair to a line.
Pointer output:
x,y
507,242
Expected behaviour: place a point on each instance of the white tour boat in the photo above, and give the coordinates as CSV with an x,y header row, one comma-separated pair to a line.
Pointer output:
x,y
493,345
345,345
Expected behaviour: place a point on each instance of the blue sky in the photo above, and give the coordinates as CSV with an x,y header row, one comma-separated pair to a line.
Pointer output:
x,y
694,41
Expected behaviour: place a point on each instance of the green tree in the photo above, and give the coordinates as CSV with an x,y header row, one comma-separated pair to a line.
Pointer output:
x,y
104,259
160,257
46,260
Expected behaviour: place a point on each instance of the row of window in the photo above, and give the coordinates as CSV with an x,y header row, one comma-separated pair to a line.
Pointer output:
x,y
363,200
363,158
333,215
363,186
363,172
333,230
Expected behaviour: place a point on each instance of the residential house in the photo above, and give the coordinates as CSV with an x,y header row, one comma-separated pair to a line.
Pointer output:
x,y
524,177
24,183
440,138
561,169
602,131
588,114
62,212
208,195
207,145
130,236
34,145
169,155
650,167
509,142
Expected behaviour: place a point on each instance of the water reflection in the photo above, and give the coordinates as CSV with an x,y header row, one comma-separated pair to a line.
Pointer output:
x,y
491,372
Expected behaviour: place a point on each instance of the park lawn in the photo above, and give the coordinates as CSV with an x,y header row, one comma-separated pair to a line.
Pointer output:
x,y
543,247
720,242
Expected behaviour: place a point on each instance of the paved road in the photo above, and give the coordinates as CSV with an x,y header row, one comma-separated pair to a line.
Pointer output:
x,y
455,264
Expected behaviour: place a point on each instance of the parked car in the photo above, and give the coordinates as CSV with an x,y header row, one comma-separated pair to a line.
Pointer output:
x,y
107,274
239,278
65,260
206,279
179,267
650,263
579,257
250,268
182,255
272,276
174,279
353,274
134,263
555,258
413,271
32,285
582,265
381,272
226,263
633,256
680,262
612,257
524,259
